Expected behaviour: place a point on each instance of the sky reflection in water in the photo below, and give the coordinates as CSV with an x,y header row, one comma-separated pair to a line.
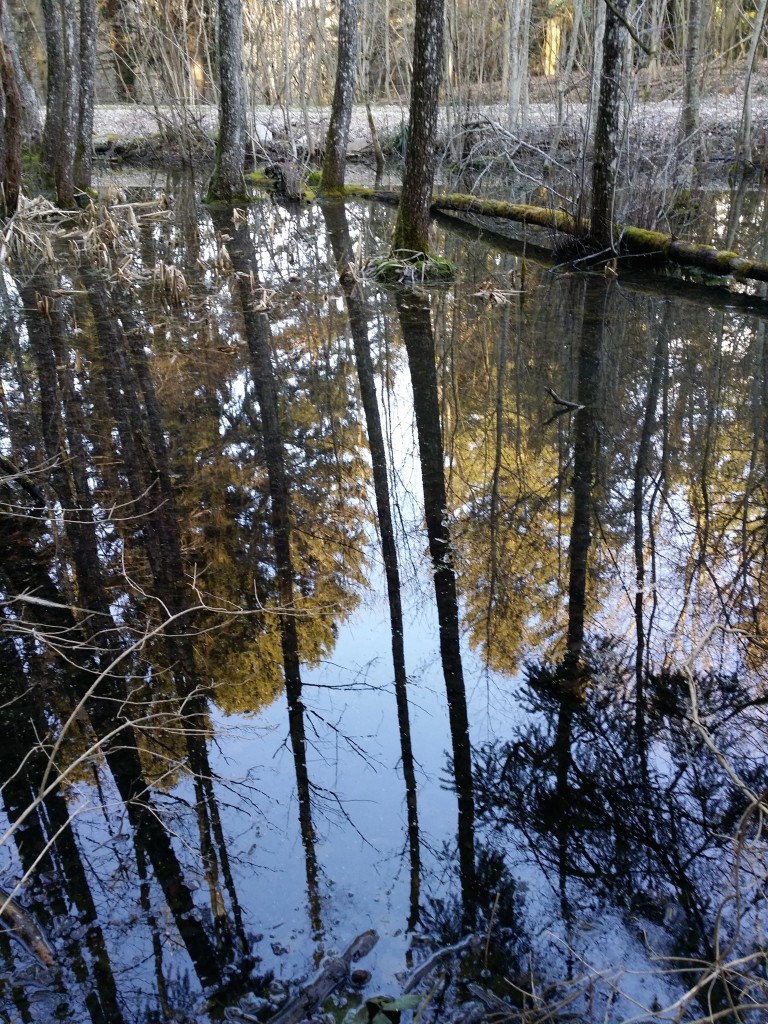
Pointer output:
x,y
607,560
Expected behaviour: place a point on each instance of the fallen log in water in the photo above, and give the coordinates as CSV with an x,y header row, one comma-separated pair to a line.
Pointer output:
x,y
630,241
334,972
22,926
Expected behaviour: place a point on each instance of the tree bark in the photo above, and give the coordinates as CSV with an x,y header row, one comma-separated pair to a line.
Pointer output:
x,y
10,138
64,169
744,138
690,117
31,114
334,162
412,226
64,110
227,182
606,158
55,78
83,167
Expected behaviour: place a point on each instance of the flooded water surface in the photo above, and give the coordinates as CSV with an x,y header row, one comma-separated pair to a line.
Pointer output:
x,y
332,607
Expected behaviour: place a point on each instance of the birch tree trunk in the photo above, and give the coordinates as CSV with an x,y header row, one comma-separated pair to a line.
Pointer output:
x,y
608,126
227,182
334,162
412,226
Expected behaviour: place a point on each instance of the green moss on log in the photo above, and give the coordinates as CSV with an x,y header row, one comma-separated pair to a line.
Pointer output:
x,y
641,242
538,215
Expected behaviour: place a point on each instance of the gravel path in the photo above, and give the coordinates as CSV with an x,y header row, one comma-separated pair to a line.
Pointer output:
x,y
720,115
650,145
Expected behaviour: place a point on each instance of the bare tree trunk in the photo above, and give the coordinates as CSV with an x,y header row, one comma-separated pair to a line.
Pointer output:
x,y
690,117
412,227
55,77
416,324
744,138
564,81
64,171
10,134
227,181
341,243
31,114
335,159
519,10
63,106
608,127
655,23
597,64
83,167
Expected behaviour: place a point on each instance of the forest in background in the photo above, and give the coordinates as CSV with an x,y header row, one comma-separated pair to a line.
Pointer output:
x,y
508,52
496,50
593,60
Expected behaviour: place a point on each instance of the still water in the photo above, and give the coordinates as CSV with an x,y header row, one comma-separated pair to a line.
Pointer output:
x,y
331,606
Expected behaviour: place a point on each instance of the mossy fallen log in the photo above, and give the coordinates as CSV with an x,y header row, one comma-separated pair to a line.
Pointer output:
x,y
720,262
654,246
632,241
542,217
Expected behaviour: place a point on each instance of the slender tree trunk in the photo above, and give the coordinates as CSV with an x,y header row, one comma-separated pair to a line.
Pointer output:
x,y
55,79
335,159
598,35
63,107
608,127
123,49
744,138
84,147
564,81
586,440
64,171
266,387
518,63
227,181
655,23
10,134
412,227
645,590
690,117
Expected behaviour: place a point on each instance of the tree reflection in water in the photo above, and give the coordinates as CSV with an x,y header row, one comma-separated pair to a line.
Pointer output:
x,y
199,486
